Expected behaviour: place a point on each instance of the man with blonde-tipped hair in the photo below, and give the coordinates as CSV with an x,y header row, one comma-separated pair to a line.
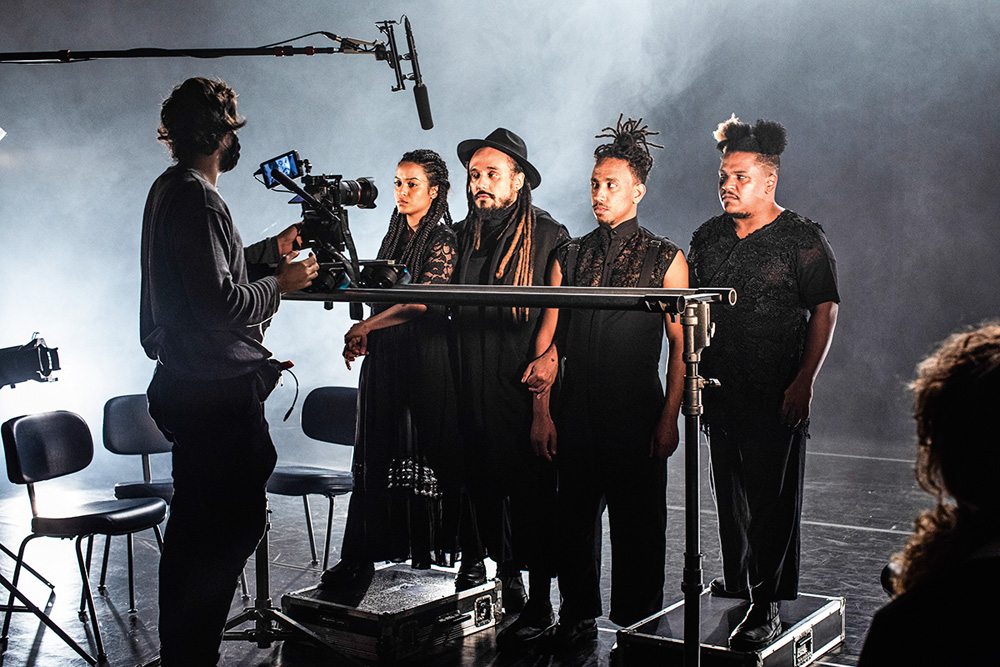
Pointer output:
x,y
767,352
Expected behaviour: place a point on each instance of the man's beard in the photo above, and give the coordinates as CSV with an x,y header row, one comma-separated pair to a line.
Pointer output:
x,y
230,156
499,209
740,214
497,213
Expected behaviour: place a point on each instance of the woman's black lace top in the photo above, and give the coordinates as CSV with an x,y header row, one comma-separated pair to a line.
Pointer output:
x,y
436,265
439,259
779,272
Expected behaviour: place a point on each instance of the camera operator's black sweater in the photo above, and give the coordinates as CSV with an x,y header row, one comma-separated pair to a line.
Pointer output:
x,y
200,316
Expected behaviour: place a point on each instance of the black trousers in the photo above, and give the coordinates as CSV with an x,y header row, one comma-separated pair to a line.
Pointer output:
x,y
757,474
222,457
633,488
512,512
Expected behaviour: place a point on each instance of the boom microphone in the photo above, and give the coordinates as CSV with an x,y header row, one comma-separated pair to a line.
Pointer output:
x,y
423,106
419,89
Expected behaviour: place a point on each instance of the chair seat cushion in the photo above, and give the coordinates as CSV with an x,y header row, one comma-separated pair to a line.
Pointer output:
x,y
307,480
104,517
158,488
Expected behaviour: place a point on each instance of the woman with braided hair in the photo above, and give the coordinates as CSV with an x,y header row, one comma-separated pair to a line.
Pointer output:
x,y
404,503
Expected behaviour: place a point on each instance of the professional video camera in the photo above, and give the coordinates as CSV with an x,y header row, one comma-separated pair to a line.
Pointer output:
x,y
325,229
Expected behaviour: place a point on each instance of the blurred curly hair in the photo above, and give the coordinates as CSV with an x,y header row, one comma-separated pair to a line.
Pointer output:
x,y
956,396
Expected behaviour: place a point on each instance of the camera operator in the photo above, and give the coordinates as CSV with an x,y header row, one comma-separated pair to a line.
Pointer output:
x,y
203,321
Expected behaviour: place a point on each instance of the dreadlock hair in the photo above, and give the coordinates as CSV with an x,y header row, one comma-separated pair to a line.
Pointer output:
x,y
437,175
631,144
765,138
523,220
958,452
196,116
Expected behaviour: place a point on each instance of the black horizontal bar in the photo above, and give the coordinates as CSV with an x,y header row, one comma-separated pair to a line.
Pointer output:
x,y
592,298
68,55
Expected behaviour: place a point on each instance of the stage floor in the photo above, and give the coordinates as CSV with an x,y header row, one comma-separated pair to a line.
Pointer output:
x,y
859,507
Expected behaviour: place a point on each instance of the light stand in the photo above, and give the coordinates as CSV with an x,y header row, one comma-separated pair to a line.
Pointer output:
x,y
698,331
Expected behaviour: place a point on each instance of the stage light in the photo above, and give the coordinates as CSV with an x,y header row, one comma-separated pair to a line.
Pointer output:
x,y
31,361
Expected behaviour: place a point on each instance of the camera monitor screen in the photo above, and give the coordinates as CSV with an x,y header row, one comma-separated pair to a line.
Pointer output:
x,y
288,164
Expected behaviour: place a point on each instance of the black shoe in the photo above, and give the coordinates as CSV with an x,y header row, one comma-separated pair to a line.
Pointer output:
x,y
719,590
568,635
347,574
513,595
528,627
421,562
760,628
470,574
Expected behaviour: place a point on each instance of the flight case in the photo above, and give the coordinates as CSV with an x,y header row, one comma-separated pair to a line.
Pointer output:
x,y
812,625
404,612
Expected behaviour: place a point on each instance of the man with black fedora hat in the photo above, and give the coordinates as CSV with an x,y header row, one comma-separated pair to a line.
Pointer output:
x,y
504,240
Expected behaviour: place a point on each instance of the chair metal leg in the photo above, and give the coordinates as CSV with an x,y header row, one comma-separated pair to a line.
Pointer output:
x,y
131,575
309,529
83,593
88,595
329,529
101,587
243,585
159,537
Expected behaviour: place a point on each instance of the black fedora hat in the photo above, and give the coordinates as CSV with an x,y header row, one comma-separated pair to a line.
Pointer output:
x,y
504,141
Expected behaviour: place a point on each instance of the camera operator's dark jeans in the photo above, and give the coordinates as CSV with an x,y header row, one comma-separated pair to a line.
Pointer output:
x,y
222,457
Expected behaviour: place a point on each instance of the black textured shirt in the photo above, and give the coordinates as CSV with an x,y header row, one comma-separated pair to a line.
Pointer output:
x,y
780,272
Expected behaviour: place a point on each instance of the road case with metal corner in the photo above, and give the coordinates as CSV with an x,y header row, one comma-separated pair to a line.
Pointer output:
x,y
812,626
403,613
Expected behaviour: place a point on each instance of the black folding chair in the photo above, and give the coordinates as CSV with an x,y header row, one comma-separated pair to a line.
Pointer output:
x,y
329,414
47,445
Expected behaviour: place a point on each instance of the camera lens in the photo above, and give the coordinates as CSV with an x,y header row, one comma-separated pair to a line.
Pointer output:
x,y
360,193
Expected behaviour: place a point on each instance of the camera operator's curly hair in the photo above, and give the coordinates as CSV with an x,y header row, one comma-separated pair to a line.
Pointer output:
x,y
956,394
437,175
630,143
765,138
196,117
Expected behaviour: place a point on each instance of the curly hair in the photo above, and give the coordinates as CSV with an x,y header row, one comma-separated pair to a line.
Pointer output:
x,y
765,138
196,117
631,144
956,394
437,175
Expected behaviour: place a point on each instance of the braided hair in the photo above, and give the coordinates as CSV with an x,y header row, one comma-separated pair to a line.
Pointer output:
x,y
765,138
523,220
413,254
630,142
